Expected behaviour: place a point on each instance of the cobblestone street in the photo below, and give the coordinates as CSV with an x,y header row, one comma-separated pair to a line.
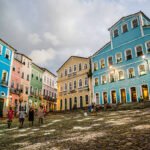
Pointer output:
x,y
108,130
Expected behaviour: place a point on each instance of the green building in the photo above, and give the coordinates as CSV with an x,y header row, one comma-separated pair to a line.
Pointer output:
x,y
35,98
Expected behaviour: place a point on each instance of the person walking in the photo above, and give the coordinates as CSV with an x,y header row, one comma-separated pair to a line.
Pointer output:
x,y
31,116
21,117
10,117
41,115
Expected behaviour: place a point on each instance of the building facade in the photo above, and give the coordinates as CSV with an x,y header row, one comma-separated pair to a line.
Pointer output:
x,y
35,98
6,59
25,72
121,68
15,85
74,86
49,90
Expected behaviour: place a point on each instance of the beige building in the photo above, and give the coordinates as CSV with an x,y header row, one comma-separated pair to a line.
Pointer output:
x,y
74,84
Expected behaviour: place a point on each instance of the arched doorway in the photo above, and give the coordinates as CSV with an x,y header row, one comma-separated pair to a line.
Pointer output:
x,y
123,95
145,92
133,94
113,97
105,99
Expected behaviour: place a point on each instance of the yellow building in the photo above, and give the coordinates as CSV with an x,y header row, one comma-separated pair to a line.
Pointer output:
x,y
74,84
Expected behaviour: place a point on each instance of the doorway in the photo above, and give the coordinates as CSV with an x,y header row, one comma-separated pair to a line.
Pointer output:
x,y
70,100
133,94
123,95
145,92
105,99
81,102
1,107
113,96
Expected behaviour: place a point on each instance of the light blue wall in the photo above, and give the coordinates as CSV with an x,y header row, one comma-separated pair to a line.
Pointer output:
x,y
5,64
121,43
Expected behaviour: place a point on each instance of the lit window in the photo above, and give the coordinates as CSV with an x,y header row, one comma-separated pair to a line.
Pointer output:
x,y
96,81
139,51
112,77
142,70
95,66
116,33
4,76
1,48
148,46
121,75
97,98
110,61
134,23
128,55
7,55
131,73
102,63
80,83
124,28
104,79
119,57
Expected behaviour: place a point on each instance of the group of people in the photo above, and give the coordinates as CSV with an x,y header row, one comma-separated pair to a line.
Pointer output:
x,y
41,112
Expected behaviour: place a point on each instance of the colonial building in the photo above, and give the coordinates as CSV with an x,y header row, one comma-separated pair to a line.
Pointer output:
x,y
25,72
15,85
49,90
6,59
74,88
121,68
35,98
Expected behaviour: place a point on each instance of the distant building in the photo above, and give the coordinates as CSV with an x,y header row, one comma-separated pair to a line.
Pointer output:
x,y
49,90
74,84
35,98
121,68
25,73
6,59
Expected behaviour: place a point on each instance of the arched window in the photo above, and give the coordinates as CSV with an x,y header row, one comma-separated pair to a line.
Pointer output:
x,y
121,75
7,55
128,54
96,81
139,51
142,70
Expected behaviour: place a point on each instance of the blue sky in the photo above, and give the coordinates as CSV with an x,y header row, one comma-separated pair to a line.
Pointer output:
x,y
50,31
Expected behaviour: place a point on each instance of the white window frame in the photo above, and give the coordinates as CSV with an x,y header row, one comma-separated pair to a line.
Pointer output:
x,y
132,22
128,71
103,96
108,61
94,65
130,93
114,33
139,69
79,84
67,72
81,66
126,53
86,78
141,93
122,28
123,75
116,57
114,77
146,46
111,96
102,78
65,87
136,49
6,75
96,99
7,50
74,67
1,49
95,80
120,94
104,63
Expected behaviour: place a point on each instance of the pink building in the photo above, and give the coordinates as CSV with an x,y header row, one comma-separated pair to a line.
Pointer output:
x,y
15,84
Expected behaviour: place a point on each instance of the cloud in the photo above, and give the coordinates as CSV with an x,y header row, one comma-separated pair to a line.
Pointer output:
x,y
41,57
34,38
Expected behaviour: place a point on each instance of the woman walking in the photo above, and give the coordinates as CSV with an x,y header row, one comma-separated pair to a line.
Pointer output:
x,y
31,116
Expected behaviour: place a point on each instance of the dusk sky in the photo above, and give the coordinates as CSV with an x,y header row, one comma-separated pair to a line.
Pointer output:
x,y
50,31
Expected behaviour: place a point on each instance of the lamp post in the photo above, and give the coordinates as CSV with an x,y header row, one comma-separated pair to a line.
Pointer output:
x,y
146,60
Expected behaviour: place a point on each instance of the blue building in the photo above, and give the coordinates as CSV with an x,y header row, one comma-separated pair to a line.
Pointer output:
x,y
121,68
6,58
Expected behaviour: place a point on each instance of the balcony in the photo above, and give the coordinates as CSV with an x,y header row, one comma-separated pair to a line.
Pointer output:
x,y
15,91
4,83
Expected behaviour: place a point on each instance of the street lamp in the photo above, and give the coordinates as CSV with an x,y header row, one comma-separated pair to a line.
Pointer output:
x,y
146,60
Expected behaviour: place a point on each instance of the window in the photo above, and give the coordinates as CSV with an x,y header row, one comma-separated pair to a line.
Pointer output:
x,y
110,61
32,75
80,67
27,77
75,68
14,68
112,77
118,58
7,55
102,63
103,79
142,70
97,98
85,66
80,83
134,23
86,99
75,84
96,81
65,72
95,66
116,33
124,28
128,54
70,69
70,86
139,51
86,81
65,86
1,48
121,75
26,90
148,46
131,73
22,75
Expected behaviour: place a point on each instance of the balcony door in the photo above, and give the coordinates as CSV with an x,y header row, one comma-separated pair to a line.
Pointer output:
x,y
123,95
145,92
133,94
